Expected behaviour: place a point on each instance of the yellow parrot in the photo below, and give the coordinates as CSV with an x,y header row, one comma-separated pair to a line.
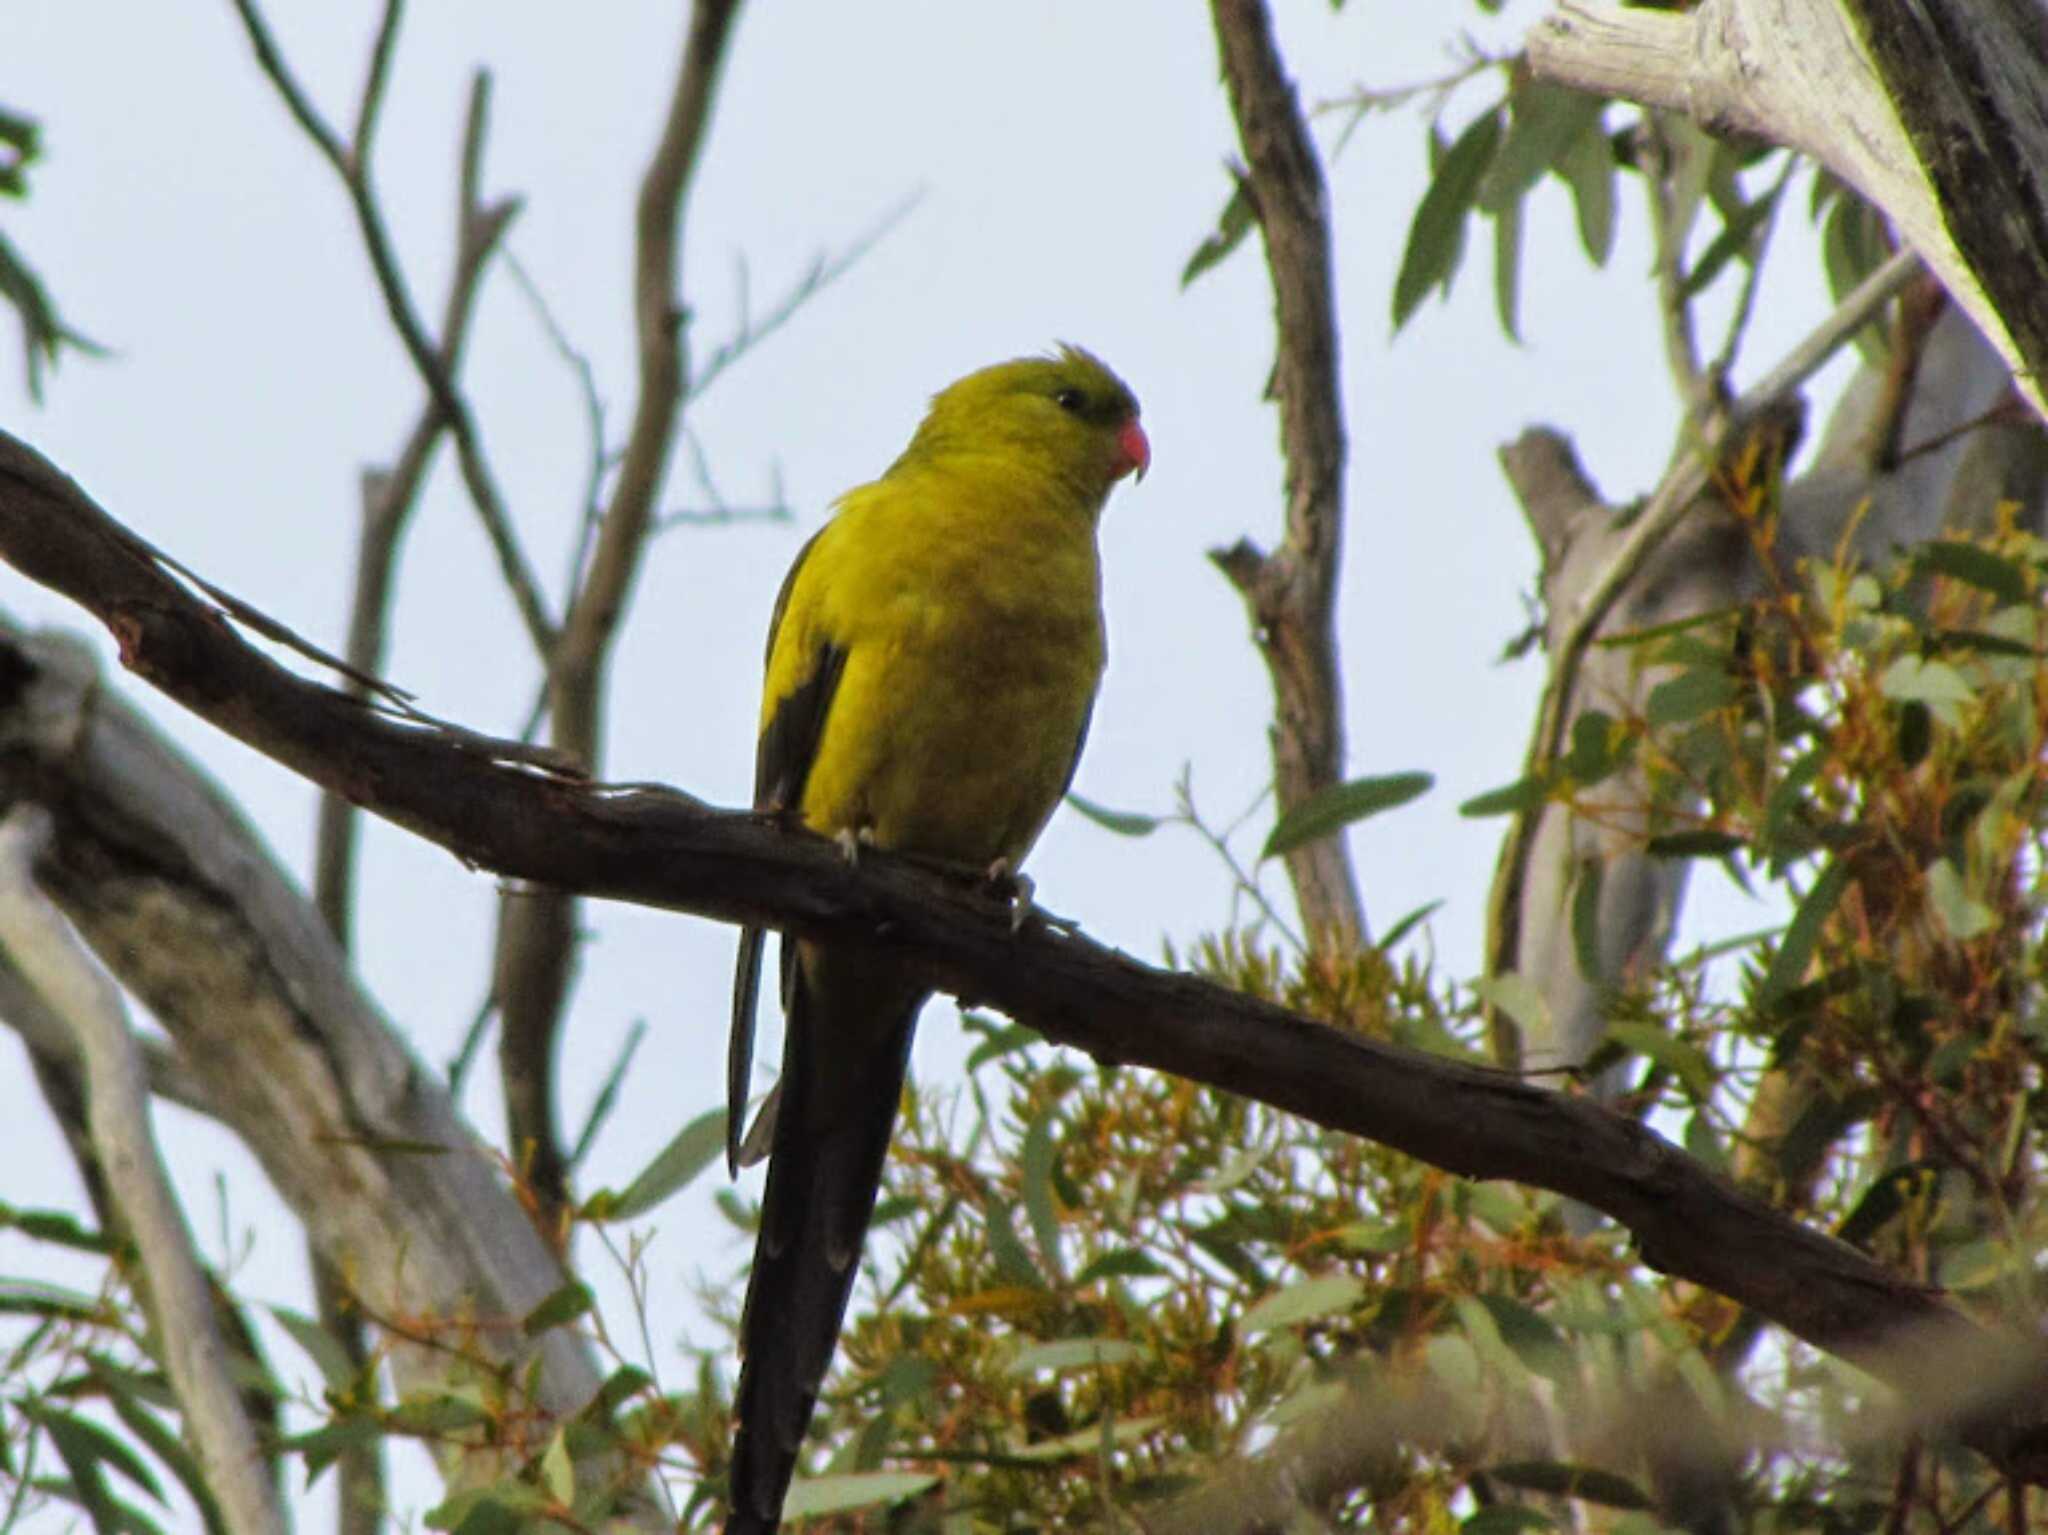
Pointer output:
x,y
932,664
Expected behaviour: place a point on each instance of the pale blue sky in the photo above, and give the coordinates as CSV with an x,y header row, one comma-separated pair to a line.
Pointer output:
x,y
1070,156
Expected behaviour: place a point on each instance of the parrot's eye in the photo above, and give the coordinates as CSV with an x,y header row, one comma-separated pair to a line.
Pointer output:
x,y
1068,399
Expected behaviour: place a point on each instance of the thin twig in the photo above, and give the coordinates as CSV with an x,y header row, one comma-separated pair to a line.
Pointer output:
x,y
2010,409
1673,500
472,1041
301,107
388,502
42,945
720,511
361,1491
598,605
824,271
377,80
1361,101
1668,236
1219,844
577,361
1745,301
391,496
721,516
608,1095
352,165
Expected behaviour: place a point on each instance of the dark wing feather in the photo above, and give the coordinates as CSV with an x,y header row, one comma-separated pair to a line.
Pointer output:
x,y
1080,740
782,764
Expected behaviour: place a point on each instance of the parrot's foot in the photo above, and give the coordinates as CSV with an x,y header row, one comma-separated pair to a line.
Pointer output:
x,y
851,839
1016,888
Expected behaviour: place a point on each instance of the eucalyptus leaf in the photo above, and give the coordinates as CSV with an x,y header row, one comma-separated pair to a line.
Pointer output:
x,y
1074,1354
1341,805
1587,167
1961,913
1681,699
1436,237
1232,225
1306,1300
1544,122
1517,798
1125,823
1802,934
693,1149
840,1494
1974,565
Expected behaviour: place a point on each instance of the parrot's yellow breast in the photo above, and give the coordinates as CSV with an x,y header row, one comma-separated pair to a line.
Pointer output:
x,y
970,617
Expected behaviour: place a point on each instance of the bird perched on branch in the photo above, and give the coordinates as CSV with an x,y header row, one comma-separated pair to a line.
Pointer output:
x,y
932,664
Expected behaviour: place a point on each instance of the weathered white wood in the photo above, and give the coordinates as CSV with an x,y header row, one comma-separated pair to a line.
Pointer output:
x,y
178,896
43,947
1797,72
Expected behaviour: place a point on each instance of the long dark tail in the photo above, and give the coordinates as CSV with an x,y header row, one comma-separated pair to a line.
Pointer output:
x,y
843,1062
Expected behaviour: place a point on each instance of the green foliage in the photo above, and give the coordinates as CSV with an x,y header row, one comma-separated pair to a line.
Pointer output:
x,y
1853,244
1343,805
693,1149
45,335
1535,130
1232,225
1436,240
82,1426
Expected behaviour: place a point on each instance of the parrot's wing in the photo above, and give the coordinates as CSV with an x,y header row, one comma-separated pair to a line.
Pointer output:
x,y
782,763
1074,762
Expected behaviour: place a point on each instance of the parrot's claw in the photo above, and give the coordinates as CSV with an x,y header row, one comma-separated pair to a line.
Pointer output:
x,y
851,839
1016,888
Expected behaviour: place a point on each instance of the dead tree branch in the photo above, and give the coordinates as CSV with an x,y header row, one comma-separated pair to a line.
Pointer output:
x,y
1291,593
43,947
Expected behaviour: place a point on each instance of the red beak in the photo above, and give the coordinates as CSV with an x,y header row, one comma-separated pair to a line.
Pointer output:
x,y
1137,450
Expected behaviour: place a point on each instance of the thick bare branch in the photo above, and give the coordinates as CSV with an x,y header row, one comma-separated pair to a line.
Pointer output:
x,y
666,850
43,947
23,1010
1291,593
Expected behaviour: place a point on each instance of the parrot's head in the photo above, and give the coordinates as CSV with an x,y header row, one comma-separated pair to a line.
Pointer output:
x,y
1066,411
